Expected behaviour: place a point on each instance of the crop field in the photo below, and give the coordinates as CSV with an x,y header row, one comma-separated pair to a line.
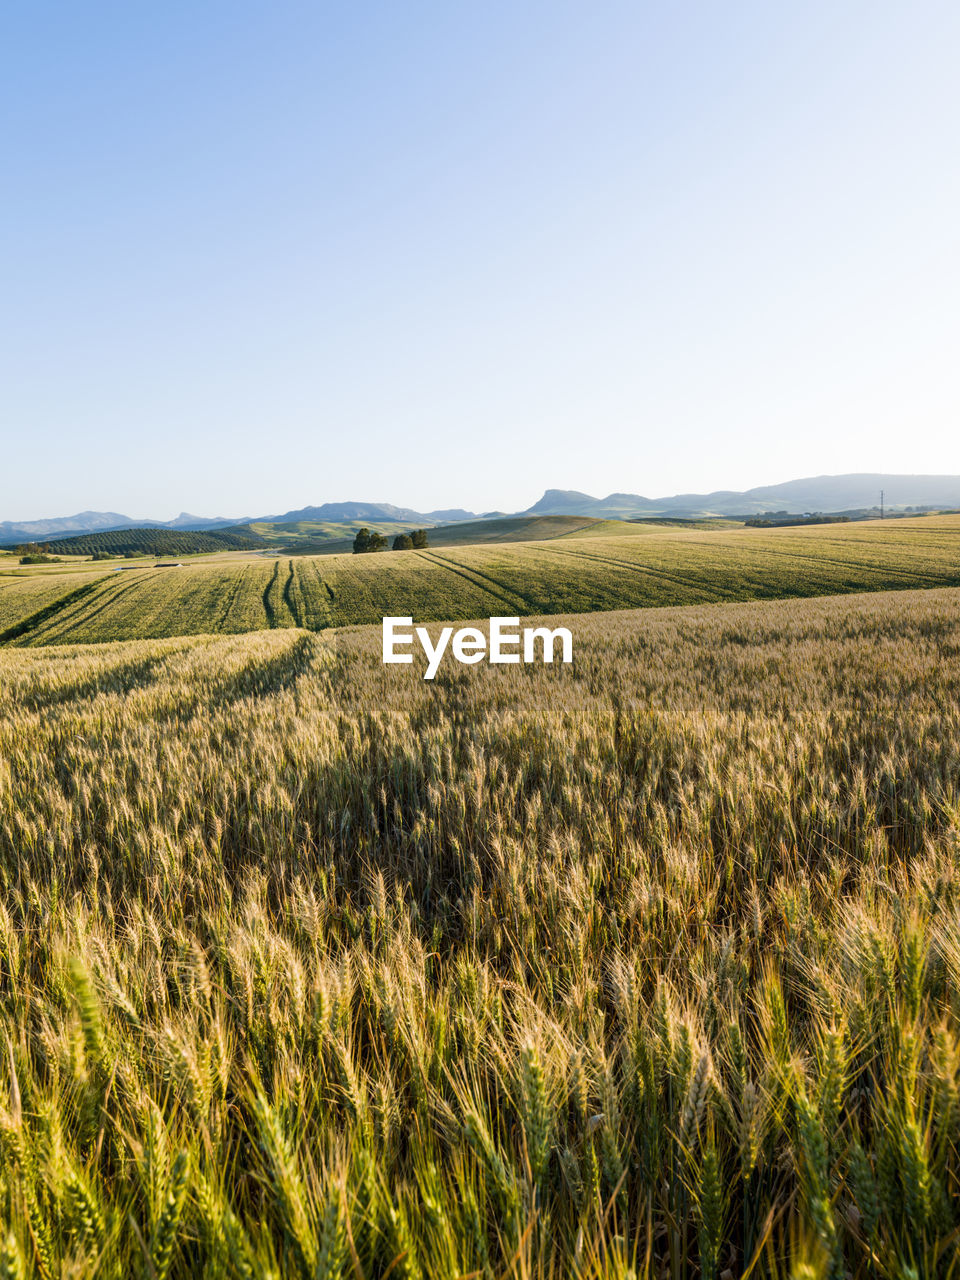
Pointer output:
x,y
472,532
235,596
311,537
226,597
575,572
25,599
287,536
646,967
366,588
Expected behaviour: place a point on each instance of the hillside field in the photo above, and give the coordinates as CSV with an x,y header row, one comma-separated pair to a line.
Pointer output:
x,y
312,537
645,967
150,542
579,570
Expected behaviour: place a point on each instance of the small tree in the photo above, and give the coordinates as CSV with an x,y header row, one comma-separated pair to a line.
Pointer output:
x,y
419,538
377,542
403,542
361,542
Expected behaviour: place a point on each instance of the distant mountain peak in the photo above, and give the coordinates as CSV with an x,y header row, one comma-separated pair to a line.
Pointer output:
x,y
12,531
828,493
859,491
376,511
558,501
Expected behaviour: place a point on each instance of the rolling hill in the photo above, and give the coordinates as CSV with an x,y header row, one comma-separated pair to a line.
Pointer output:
x,y
307,537
151,542
858,492
855,492
315,536
584,570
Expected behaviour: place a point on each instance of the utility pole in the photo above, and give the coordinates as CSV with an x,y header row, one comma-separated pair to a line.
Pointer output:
x,y
881,504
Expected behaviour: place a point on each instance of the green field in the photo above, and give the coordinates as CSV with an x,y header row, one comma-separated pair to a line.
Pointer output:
x,y
292,535
574,570
24,600
642,968
313,537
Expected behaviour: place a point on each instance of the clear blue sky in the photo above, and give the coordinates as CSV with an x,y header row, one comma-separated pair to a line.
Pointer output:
x,y
258,255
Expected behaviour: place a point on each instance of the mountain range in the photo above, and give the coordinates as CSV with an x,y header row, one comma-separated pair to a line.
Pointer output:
x,y
99,522
843,493
856,492
336,511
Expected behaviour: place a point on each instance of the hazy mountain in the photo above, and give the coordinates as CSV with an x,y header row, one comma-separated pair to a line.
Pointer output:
x,y
12,531
452,516
186,521
336,511
82,522
834,493
570,502
815,493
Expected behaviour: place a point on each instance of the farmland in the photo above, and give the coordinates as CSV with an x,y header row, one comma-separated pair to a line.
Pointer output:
x,y
577,569
313,535
648,966
26,598
310,537
226,598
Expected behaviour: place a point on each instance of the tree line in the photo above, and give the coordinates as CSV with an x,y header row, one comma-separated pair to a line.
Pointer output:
x,y
374,541
34,553
783,519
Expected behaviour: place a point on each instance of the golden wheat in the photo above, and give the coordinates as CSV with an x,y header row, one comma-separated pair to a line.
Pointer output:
x,y
648,966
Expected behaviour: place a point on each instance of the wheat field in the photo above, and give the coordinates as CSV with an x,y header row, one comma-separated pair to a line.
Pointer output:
x,y
643,967
581,571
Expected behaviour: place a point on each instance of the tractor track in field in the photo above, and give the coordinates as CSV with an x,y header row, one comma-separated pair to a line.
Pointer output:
x,y
326,602
893,578
288,597
37,619
331,602
268,608
648,571
923,580
107,599
231,600
478,579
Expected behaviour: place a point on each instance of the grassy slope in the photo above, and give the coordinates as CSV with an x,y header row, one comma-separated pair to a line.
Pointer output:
x,y
27,595
608,528
152,542
638,967
581,572
328,538
303,532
